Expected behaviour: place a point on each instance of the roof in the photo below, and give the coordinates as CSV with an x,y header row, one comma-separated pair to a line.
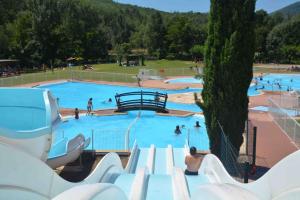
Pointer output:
x,y
7,61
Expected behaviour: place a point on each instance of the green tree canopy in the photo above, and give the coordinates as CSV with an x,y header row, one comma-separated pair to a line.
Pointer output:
x,y
284,34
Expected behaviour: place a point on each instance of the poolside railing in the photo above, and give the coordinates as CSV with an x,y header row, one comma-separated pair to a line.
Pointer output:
x,y
229,156
181,71
283,117
106,139
127,134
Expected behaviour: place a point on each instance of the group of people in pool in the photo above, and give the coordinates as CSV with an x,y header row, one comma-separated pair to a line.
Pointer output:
x,y
275,83
89,107
177,130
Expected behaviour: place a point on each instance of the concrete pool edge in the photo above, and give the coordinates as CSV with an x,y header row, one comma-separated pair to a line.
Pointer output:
x,y
68,112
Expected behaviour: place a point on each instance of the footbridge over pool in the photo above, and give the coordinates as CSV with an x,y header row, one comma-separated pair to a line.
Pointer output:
x,y
142,100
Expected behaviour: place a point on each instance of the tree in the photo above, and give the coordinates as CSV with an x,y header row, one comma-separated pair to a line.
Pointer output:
x,y
228,70
262,28
123,51
155,35
291,53
46,16
284,34
197,52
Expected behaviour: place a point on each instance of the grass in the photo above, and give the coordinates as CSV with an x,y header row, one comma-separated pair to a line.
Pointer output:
x,y
164,67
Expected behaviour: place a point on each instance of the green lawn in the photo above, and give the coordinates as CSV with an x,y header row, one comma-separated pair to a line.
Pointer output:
x,y
170,67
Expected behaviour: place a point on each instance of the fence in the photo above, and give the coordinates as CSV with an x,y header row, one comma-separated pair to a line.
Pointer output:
x,y
283,109
184,71
105,139
250,141
229,157
101,139
66,74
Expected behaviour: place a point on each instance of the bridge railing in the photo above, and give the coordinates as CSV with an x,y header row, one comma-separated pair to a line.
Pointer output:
x,y
140,100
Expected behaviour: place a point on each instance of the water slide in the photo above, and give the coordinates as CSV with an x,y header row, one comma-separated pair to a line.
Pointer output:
x,y
66,151
27,123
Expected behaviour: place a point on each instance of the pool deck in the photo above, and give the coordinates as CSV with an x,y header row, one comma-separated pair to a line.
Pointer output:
x,y
66,112
272,143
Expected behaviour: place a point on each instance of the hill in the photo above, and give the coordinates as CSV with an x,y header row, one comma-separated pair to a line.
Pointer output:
x,y
290,10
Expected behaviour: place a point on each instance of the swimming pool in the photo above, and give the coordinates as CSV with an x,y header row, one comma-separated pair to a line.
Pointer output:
x,y
76,94
184,80
108,132
279,82
252,91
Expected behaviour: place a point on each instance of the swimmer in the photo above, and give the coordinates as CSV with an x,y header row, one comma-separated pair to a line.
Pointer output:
x,y
177,130
197,124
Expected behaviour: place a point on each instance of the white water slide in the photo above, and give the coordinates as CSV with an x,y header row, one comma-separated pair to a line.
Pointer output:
x,y
27,123
151,173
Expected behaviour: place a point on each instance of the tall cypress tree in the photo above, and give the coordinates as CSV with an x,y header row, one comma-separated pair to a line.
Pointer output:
x,y
228,69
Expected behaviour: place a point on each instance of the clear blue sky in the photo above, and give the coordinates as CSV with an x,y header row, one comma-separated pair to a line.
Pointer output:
x,y
201,5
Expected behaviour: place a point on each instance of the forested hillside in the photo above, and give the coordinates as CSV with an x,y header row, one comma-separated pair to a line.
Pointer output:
x,y
290,10
50,31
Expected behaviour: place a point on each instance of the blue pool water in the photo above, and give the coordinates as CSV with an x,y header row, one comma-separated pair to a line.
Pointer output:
x,y
185,80
270,82
76,95
290,112
108,132
252,91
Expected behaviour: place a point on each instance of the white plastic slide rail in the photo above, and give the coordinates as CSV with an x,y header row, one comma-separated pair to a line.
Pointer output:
x,y
139,186
281,182
151,159
170,159
179,184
